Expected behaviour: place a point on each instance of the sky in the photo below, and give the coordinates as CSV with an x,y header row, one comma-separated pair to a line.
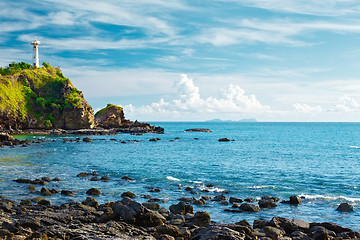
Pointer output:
x,y
196,60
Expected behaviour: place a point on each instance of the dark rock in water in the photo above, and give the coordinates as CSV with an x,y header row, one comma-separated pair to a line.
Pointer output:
x,y
53,191
85,174
46,179
154,139
224,140
95,179
93,192
56,179
128,194
67,193
181,208
45,192
295,200
25,202
219,198
44,202
31,187
36,181
105,178
127,178
197,130
89,201
248,207
202,219
267,203
345,207
235,200
199,202
86,139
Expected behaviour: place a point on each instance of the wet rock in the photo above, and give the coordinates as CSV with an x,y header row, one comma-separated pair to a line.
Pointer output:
x,y
105,178
46,179
36,181
267,197
214,231
128,194
127,178
6,204
86,139
332,227
45,192
267,203
31,187
345,207
300,224
56,179
95,179
67,193
219,198
152,206
53,191
199,202
168,229
202,219
295,200
318,233
299,235
93,192
89,201
197,130
181,208
244,223
165,237
235,200
25,202
250,200
261,223
273,232
248,207
224,140
44,202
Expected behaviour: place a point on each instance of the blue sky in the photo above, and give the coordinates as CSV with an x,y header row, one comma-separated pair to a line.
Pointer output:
x,y
273,60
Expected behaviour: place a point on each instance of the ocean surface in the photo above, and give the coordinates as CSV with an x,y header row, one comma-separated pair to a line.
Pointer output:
x,y
318,161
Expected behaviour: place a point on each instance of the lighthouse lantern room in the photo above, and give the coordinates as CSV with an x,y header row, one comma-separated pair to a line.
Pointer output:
x,y
35,44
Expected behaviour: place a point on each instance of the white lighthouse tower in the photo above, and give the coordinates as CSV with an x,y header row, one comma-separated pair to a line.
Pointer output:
x,y
35,44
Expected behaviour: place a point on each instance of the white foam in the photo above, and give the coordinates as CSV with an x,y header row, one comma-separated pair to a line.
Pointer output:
x,y
172,178
312,197
260,187
354,146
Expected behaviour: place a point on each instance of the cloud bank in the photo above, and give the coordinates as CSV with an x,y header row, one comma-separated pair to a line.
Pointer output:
x,y
231,100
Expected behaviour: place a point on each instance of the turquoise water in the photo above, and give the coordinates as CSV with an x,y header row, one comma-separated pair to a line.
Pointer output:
x,y
319,161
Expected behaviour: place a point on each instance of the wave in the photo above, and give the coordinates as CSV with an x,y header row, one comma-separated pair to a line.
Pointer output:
x,y
354,146
261,187
314,197
172,178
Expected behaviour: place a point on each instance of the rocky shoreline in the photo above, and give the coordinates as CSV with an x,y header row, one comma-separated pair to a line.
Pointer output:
x,y
128,219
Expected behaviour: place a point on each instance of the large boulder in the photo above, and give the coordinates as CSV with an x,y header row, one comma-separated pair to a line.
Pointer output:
x,y
135,213
181,208
217,231
345,207
201,219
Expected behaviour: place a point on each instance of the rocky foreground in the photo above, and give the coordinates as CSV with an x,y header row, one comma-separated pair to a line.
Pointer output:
x,y
128,219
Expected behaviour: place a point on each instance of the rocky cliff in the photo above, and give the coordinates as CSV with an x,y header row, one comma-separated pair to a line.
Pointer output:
x,y
41,98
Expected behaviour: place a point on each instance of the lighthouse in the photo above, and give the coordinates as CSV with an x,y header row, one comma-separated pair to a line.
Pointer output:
x,y
35,44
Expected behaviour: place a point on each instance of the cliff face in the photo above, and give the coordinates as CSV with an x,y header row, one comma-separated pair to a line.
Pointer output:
x,y
41,98
111,116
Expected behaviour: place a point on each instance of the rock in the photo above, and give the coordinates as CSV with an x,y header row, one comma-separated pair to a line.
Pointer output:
x,y
235,200
224,140
128,194
95,179
44,202
154,139
46,179
45,192
199,202
105,178
53,191
244,223
168,229
248,207
295,200
89,201
112,116
267,197
152,206
332,227
202,219
216,231
274,233
165,237
219,198
181,208
318,233
267,203
345,207
36,181
301,224
197,130
261,223
56,179
250,200
6,137
67,193
6,204
298,235
25,202
31,187
86,139
93,192
127,178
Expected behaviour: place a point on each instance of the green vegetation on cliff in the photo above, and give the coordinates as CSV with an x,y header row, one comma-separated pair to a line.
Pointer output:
x,y
112,107
41,98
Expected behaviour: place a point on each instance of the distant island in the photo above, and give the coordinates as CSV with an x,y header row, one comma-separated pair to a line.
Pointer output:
x,y
250,120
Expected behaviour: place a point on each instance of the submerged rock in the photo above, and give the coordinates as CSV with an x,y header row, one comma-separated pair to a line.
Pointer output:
x,y
197,130
345,207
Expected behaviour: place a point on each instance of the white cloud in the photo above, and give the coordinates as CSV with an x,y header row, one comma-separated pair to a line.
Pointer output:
x,y
62,18
231,100
347,104
305,108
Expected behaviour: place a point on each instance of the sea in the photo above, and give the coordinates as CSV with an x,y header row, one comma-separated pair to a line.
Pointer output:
x,y
319,162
